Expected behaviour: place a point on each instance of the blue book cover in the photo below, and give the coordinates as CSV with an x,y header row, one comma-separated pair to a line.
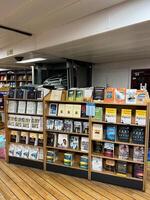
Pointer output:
x,y
111,131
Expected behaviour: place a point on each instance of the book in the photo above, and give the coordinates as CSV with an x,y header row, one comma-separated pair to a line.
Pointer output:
x,y
26,122
25,152
31,108
141,96
31,94
33,153
20,93
109,165
85,127
56,95
97,164
12,106
126,115
14,136
111,115
68,110
40,140
12,93
123,133
68,159
62,140
87,94
76,111
51,156
40,154
79,95
98,93
123,151
97,147
138,171
18,121
39,110
84,162
61,110
109,95
109,149
52,139
121,168
37,123
11,121
18,151
120,95
97,132
71,95
138,154
140,117
84,144
131,96
53,109
138,135
98,113
111,132
50,124
77,127
59,125
33,139
74,142
21,107
83,110
24,137
68,126
11,149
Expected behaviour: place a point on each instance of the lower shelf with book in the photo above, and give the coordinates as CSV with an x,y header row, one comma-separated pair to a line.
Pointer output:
x,y
117,180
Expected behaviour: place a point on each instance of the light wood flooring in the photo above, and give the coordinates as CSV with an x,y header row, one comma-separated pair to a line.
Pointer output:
x,y
22,183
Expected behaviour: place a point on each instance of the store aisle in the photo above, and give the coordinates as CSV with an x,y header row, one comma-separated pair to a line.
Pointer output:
x,y
21,183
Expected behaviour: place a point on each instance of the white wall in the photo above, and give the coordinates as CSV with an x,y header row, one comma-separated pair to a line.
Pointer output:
x,y
117,74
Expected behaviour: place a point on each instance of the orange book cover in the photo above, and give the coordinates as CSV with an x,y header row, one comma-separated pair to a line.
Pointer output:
x,y
109,95
120,95
141,96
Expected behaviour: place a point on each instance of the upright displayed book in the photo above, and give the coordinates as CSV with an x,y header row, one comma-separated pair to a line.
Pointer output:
x,y
21,107
56,95
98,113
120,95
97,132
79,95
12,106
123,151
126,115
39,110
138,154
62,141
53,109
84,144
140,117
97,164
109,95
74,142
111,132
98,93
131,96
71,95
109,149
31,108
111,115
52,139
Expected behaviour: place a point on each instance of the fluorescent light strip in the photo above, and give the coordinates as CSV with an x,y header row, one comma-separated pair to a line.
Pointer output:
x,y
31,60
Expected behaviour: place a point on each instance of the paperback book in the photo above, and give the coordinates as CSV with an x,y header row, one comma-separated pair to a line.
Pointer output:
x,y
126,115
109,165
11,149
121,168
33,153
68,126
39,108
98,93
71,95
56,95
33,139
31,108
111,131
85,126
74,142
26,122
24,137
50,124
109,95
51,156
22,107
15,136
138,135
111,115
84,162
12,106
140,117
120,95
25,152
138,171
59,125
109,149
97,147
97,132
131,96
53,109
62,140
79,95
123,151
40,140
98,113
68,159
138,154
97,164
123,133
52,139
77,127
18,151
84,144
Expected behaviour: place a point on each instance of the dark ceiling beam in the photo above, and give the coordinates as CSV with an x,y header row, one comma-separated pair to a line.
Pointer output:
x,y
16,30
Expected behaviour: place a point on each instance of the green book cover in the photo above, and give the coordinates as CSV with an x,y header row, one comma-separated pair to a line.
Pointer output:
x,y
99,113
79,95
71,95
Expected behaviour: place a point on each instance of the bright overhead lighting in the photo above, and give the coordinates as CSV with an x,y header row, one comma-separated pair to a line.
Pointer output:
x,y
31,60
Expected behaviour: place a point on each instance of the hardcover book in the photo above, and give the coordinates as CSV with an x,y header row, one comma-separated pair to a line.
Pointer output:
x,y
123,133
40,140
21,107
111,115
12,106
15,136
84,162
141,96
111,131
138,171
109,149
83,110
98,113
74,142
76,111
51,156
26,122
97,163
68,159
33,139
138,135
126,116
68,110
31,107
18,151
122,168
97,132
39,110
85,127
131,96
53,109
138,154
120,95
37,123
123,151
98,93
20,93
31,94
97,147
84,144
109,95
59,125
79,95
62,140
140,117
77,127
62,110
11,149
52,139
50,124
12,93
68,126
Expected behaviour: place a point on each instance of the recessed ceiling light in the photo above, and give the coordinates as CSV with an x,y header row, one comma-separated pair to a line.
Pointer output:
x,y
31,60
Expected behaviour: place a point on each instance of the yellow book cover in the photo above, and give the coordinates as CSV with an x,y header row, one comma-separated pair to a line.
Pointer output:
x,y
126,115
69,110
56,95
61,110
76,111
140,117
111,115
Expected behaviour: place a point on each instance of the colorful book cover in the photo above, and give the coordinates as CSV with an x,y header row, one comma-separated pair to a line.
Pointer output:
x,y
109,149
50,124
140,117
98,93
84,162
25,152
59,125
111,131
126,115
71,95
62,140
97,163
111,115
77,127
97,132
131,96
79,95
138,154
68,159
138,171
98,113
53,109
109,95
33,153
141,96
120,95
121,168
123,151
51,156
68,126
109,165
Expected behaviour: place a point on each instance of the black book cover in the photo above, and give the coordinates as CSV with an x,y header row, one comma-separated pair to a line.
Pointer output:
x,y
99,93
51,140
12,93
31,94
123,133
138,171
121,167
137,135
97,147
20,93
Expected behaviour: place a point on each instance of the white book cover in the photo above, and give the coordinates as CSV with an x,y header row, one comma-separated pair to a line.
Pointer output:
x,y
131,96
62,140
76,111
18,121
97,132
39,108
33,153
26,122
25,152
11,149
12,106
61,110
56,95
37,123
31,107
97,163
40,154
84,144
11,121
18,151
22,107
140,117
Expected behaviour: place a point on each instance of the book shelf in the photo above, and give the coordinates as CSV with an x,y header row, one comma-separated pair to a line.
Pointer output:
x,y
66,159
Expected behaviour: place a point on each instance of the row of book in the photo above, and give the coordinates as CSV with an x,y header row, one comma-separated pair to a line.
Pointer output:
x,y
25,137
24,122
25,107
26,152
119,133
68,159
66,141
68,126
121,151
120,168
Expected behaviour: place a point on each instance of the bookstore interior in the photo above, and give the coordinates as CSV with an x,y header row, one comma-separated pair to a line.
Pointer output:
x,y
81,114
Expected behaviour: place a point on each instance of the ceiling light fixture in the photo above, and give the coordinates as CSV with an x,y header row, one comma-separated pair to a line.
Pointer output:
x,y
32,60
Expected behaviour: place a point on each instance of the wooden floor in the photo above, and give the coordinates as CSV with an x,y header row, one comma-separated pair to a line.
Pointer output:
x,y
22,183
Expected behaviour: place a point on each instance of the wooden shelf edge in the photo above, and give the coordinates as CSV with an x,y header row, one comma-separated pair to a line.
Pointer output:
x,y
67,149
